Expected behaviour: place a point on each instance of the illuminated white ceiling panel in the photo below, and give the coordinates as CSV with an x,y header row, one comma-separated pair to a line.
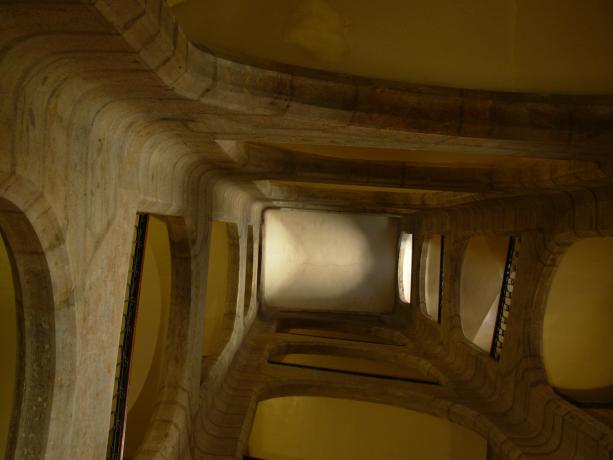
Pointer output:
x,y
329,261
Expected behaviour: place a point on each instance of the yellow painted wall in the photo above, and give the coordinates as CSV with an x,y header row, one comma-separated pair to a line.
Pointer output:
x,y
315,428
216,286
150,335
8,345
560,46
577,337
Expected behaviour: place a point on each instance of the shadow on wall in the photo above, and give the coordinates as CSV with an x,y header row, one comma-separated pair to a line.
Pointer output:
x,y
577,338
480,285
307,427
323,261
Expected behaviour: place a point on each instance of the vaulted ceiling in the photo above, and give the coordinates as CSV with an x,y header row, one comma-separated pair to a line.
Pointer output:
x,y
551,46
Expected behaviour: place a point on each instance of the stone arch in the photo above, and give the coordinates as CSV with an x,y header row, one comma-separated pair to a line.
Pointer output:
x,y
42,417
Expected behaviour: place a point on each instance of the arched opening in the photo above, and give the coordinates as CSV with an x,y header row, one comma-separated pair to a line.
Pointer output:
x,y
405,267
27,328
308,427
221,286
9,346
577,343
433,253
248,270
148,352
142,361
483,270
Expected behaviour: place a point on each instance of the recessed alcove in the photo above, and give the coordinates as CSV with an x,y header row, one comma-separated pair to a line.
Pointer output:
x,y
9,346
221,287
405,267
432,261
481,280
577,343
323,428
328,261
248,270
27,336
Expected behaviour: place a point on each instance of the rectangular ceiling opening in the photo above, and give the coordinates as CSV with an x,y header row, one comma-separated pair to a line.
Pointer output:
x,y
326,261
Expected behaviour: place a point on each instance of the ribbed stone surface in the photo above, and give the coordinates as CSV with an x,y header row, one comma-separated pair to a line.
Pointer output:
x,y
107,110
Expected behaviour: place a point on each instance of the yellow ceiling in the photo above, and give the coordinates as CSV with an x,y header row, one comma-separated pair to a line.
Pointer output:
x,y
308,428
559,46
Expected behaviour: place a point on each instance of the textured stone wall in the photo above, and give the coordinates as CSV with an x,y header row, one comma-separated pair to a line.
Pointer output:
x,y
107,110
